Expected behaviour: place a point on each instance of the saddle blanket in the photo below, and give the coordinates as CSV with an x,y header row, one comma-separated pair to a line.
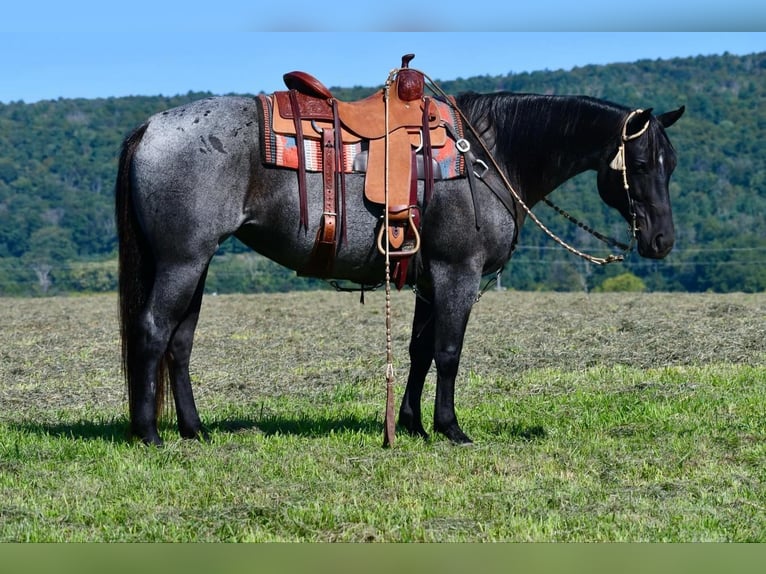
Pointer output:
x,y
281,150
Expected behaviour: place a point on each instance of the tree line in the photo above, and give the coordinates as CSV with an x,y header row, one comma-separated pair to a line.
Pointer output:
x,y
58,160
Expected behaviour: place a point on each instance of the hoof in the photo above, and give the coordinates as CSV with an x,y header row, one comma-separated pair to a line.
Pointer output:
x,y
456,436
147,434
411,426
203,436
200,434
151,441
416,432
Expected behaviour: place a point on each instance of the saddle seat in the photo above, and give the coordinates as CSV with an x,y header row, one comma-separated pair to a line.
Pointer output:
x,y
361,119
307,84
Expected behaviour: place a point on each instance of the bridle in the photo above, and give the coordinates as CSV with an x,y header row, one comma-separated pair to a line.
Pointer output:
x,y
619,163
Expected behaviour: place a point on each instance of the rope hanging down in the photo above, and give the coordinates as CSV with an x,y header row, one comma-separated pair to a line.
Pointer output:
x,y
389,423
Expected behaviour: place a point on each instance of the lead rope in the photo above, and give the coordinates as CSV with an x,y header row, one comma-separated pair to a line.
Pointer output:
x,y
389,430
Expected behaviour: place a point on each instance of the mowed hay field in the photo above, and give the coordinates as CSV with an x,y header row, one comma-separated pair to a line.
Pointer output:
x,y
602,417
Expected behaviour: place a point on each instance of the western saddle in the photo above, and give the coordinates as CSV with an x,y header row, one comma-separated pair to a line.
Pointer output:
x,y
396,128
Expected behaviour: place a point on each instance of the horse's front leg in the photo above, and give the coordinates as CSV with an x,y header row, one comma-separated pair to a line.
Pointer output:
x,y
421,357
454,296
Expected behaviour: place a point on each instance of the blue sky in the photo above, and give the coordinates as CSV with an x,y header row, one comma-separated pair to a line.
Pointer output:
x,y
101,49
386,15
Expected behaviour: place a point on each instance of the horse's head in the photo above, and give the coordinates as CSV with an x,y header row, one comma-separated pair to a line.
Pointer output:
x,y
634,178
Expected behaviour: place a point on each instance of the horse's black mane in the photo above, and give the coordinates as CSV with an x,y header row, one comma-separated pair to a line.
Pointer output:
x,y
510,114
500,104
505,119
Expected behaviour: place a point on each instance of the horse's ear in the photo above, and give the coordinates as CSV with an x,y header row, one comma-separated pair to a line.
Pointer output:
x,y
669,118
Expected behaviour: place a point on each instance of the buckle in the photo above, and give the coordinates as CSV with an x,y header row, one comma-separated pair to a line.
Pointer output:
x,y
484,171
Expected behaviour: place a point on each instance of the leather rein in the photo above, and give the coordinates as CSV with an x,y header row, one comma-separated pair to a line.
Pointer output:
x,y
618,163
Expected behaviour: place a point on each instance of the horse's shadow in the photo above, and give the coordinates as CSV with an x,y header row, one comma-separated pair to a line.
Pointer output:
x,y
107,431
117,429
306,426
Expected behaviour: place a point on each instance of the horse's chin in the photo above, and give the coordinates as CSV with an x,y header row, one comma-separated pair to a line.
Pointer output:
x,y
658,247
654,254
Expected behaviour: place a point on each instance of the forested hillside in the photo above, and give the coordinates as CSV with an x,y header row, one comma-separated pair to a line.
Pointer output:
x,y
58,162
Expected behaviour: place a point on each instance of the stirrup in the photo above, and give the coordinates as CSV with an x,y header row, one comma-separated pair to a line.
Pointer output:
x,y
412,226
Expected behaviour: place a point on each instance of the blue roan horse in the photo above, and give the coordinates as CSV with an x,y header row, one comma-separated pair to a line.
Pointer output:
x,y
193,176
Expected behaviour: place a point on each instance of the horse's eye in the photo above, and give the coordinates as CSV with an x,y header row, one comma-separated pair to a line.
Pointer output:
x,y
641,167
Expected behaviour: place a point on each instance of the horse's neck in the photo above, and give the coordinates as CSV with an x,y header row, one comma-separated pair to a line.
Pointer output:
x,y
566,136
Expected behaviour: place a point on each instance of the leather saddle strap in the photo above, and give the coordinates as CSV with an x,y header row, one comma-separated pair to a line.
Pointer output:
x,y
323,256
340,169
428,171
304,213
330,213
470,159
400,269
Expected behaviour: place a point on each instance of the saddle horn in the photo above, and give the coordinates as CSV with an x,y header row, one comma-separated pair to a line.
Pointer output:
x,y
409,83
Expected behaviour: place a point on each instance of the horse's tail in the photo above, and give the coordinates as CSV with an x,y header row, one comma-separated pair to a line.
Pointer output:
x,y
136,273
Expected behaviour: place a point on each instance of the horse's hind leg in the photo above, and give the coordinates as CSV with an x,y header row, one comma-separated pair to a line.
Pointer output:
x,y
168,307
421,357
180,348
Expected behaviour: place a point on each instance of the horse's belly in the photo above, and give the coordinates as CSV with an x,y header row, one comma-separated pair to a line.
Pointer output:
x,y
356,258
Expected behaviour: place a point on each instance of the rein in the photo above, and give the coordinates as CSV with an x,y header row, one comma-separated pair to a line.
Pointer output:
x,y
618,163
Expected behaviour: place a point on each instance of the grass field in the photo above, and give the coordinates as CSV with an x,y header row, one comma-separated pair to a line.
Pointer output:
x,y
609,417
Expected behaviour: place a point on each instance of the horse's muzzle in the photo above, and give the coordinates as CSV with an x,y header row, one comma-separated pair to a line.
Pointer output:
x,y
657,246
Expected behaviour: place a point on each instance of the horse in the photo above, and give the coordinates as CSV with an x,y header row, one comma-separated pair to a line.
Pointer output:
x,y
193,176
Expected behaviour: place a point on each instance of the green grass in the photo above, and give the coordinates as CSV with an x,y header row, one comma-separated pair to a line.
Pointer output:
x,y
652,432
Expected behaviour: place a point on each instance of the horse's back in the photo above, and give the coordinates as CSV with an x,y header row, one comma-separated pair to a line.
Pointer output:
x,y
210,133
